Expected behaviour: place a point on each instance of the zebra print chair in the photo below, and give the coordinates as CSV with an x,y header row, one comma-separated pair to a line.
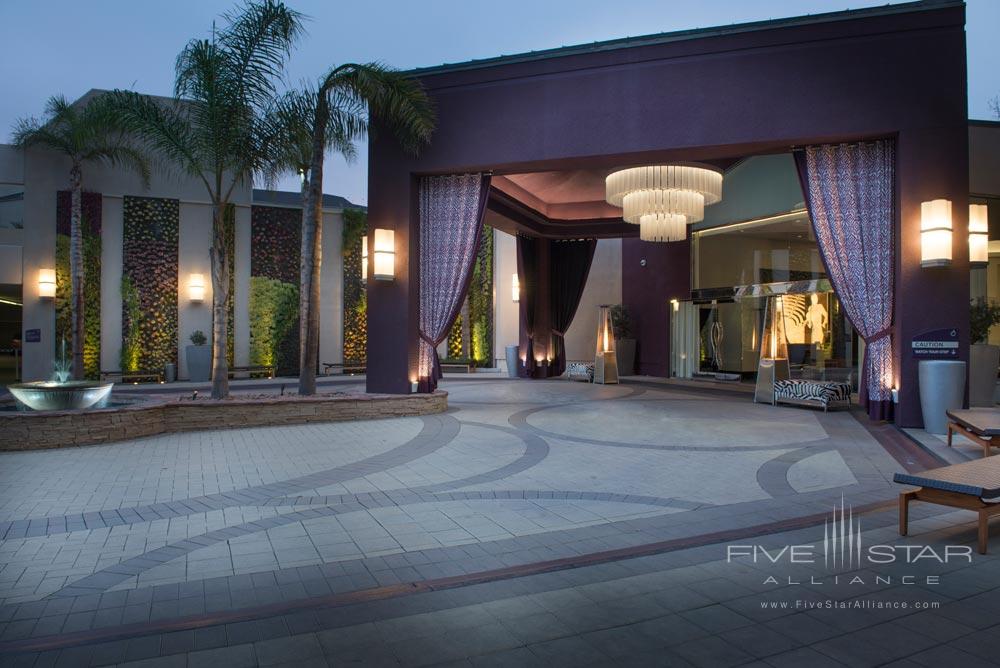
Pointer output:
x,y
811,392
580,371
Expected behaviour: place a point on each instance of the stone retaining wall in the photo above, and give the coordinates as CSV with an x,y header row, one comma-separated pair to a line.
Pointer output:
x,y
59,429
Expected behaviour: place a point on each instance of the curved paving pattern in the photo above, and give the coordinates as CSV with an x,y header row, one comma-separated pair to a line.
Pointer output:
x,y
597,478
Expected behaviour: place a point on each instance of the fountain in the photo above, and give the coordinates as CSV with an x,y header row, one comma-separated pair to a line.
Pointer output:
x,y
61,393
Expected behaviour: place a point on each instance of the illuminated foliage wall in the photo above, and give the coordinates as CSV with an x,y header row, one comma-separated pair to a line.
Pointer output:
x,y
473,340
230,232
275,249
91,222
355,297
149,268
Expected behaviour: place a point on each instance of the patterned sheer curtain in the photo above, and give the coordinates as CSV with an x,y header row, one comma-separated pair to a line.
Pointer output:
x,y
451,223
850,195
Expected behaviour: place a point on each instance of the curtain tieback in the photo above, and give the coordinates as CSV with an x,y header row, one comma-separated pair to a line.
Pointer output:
x,y
558,333
426,339
879,335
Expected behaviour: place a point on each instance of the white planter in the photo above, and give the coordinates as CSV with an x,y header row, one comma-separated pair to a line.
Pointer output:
x,y
199,363
942,388
983,362
626,356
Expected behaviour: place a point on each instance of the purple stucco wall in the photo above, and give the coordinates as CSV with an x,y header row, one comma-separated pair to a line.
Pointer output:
x,y
738,93
647,291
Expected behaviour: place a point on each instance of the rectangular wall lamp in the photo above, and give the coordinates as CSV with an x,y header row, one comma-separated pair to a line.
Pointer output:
x,y
47,283
515,289
196,287
384,265
979,235
364,259
935,233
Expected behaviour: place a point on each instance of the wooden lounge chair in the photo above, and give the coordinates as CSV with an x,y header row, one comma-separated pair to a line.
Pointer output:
x,y
979,425
969,485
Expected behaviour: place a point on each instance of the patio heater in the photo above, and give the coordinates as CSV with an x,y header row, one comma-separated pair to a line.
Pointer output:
x,y
605,361
773,364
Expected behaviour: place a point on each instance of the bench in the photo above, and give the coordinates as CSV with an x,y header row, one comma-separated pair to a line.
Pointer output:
x,y
969,486
264,370
134,377
345,367
811,392
457,367
979,425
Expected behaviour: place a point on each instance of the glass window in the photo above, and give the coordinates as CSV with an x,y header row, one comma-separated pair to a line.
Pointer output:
x,y
822,344
11,207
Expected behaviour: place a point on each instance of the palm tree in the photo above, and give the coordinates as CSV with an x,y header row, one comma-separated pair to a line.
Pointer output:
x,y
84,133
338,112
293,115
217,127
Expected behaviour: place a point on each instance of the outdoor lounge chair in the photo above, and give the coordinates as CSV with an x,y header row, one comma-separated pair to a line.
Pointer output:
x,y
970,485
979,425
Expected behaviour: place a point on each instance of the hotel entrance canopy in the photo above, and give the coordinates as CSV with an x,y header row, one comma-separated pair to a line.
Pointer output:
x,y
710,96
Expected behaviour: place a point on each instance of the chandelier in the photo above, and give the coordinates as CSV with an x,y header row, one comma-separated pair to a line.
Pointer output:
x,y
663,199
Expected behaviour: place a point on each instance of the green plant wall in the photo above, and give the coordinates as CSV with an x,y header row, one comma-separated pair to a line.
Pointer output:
x,y
480,309
149,263
91,223
355,295
230,234
275,250
274,318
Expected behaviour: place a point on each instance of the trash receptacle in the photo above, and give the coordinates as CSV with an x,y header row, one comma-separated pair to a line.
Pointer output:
x,y
942,388
169,372
512,361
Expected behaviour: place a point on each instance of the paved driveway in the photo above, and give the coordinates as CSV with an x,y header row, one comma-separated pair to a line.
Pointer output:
x,y
518,477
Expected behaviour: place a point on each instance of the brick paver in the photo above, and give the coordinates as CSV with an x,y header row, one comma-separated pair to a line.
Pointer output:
x,y
256,547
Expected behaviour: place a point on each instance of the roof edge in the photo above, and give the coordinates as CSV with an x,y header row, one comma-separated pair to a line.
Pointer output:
x,y
682,35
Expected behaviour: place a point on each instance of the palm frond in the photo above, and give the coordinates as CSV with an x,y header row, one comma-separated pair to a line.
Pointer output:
x,y
118,153
393,98
162,128
53,132
256,44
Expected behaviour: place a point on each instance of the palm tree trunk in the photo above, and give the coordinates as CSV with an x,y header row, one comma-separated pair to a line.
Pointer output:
x,y
76,269
220,296
312,256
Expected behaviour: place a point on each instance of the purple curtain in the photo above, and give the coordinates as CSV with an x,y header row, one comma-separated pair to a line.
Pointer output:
x,y
527,271
451,223
568,269
849,191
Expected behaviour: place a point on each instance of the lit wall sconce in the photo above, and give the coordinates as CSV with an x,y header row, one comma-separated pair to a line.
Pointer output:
x,y
895,395
364,259
515,289
979,235
196,287
935,233
414,386
47,283
675,304
384,268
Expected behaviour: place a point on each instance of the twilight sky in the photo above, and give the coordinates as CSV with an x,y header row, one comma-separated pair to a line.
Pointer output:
x,y
69,47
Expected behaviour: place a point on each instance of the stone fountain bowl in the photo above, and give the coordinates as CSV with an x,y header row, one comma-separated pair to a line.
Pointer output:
x,y
50,395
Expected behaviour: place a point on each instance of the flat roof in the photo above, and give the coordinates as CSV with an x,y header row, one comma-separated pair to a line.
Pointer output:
x,y
695,33
287,198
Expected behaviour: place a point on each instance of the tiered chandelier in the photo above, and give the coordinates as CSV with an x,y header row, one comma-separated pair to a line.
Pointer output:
x,y
663,199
